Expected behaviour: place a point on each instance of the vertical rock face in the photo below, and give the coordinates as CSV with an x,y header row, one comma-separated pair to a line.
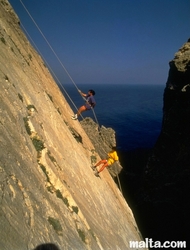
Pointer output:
x,y
48,191
167,177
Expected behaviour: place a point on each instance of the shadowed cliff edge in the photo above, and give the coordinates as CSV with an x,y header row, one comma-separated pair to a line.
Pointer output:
x,y
160,193
48,192
165,189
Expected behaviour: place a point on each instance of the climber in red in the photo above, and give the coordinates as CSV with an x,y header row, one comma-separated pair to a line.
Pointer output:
x,y
89,103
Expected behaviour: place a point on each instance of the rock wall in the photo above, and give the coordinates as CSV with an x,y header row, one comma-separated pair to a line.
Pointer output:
x,y
165,194
48,191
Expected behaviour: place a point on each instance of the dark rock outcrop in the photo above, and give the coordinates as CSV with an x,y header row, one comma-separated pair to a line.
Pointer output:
x,y
103,140
165,194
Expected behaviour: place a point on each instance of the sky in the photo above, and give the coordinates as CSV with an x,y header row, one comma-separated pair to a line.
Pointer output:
x,y
106,41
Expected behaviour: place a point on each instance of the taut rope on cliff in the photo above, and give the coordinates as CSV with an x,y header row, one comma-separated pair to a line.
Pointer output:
x,y
58,81
61,86
57,59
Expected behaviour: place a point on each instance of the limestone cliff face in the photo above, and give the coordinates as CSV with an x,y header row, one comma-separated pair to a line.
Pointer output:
x,y
167,177
48,192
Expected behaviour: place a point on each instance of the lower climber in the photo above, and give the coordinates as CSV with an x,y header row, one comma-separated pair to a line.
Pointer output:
x,y
112,157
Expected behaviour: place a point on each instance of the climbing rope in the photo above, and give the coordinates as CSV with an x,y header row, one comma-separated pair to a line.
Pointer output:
x,y
119,184
58,61
58,81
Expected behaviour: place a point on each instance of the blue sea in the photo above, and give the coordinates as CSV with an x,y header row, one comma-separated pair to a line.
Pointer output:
x,y
133,111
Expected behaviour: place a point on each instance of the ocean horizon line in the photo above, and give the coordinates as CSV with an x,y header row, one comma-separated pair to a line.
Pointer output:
x,y
124,84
